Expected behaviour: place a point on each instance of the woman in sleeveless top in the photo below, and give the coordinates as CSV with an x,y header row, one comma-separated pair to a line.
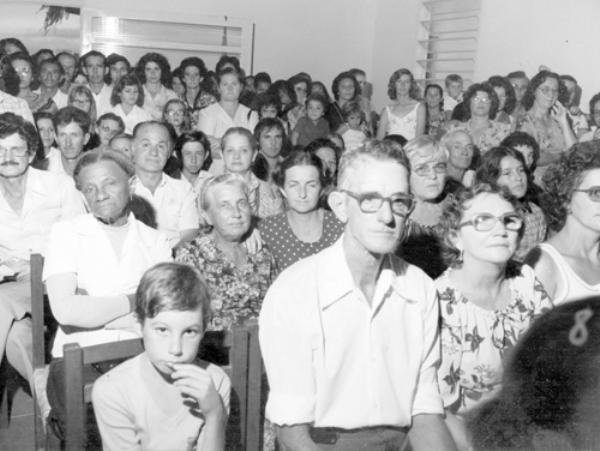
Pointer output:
x,y
568,264
406,115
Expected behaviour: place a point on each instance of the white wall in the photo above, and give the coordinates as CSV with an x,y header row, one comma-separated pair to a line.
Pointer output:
x,y
523,34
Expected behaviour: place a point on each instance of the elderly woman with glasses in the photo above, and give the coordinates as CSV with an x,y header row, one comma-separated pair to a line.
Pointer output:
x,y
428,174
568,263
546,118
480,108
486,300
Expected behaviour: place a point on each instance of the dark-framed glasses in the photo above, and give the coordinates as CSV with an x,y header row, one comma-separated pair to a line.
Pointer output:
x,y
485,222
593,193
400,203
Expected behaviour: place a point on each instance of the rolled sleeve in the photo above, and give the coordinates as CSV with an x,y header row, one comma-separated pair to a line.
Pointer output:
x,y
286,347
427,397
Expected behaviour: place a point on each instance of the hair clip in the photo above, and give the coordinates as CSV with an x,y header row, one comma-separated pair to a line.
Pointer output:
x,y
578,334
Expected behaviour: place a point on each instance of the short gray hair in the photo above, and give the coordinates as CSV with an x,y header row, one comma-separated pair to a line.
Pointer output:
x,y
220,180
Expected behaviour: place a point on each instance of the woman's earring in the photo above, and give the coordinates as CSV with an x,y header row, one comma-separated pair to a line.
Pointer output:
x,y
459,259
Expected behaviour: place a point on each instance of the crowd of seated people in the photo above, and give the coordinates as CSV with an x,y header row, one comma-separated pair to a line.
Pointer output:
x,y
393,261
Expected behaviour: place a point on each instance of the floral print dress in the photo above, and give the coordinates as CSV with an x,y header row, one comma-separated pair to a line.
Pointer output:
x,y
475,341
236,293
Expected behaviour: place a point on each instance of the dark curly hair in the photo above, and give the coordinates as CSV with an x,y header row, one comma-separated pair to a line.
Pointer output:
x,y
565,176
520,138
472,92
529,96
498,81
489,171
453,213
414,88
11,123
161,61
336,84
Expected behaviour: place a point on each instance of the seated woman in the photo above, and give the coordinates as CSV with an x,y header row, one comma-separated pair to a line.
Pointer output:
x,y
166,398
237,279
507,100
177,115
405,115
154,73
239,150
434,110
272,141
503,166
486,301
549,399
594,132
304,229
568,263
421,237
480,108
461,153
94,263
25,68
546,118
193,155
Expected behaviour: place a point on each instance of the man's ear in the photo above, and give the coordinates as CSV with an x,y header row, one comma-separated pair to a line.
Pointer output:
x,y
337,203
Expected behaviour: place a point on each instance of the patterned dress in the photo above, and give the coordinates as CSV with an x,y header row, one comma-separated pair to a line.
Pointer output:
x,y
285,245
475,341
236,293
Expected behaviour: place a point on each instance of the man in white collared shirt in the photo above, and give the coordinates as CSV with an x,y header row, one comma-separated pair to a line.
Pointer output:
x,y
31,201
173,201
349,336
93,65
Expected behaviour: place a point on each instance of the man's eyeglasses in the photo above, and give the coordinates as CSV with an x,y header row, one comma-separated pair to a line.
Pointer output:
x,y
485,222
400,203
592,192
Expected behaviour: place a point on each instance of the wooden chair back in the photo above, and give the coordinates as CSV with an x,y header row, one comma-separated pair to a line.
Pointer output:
x,y
244,367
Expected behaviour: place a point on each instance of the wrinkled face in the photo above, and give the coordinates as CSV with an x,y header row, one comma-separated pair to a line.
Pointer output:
x,y
427,177
68,64
71,139
302,188
460,153
152,72
582,209
547,93
520,86
123,145
315,110
94,69
493,246
129,95
105,187
151,148
46,130
346,90
50,75
107,129
229,212
82,102
271,142
175,114
513,176
481,104
193,155
237,154
172,337
301,90
230,87
24,71
378,232
14,159
117,70
501,93
192,77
